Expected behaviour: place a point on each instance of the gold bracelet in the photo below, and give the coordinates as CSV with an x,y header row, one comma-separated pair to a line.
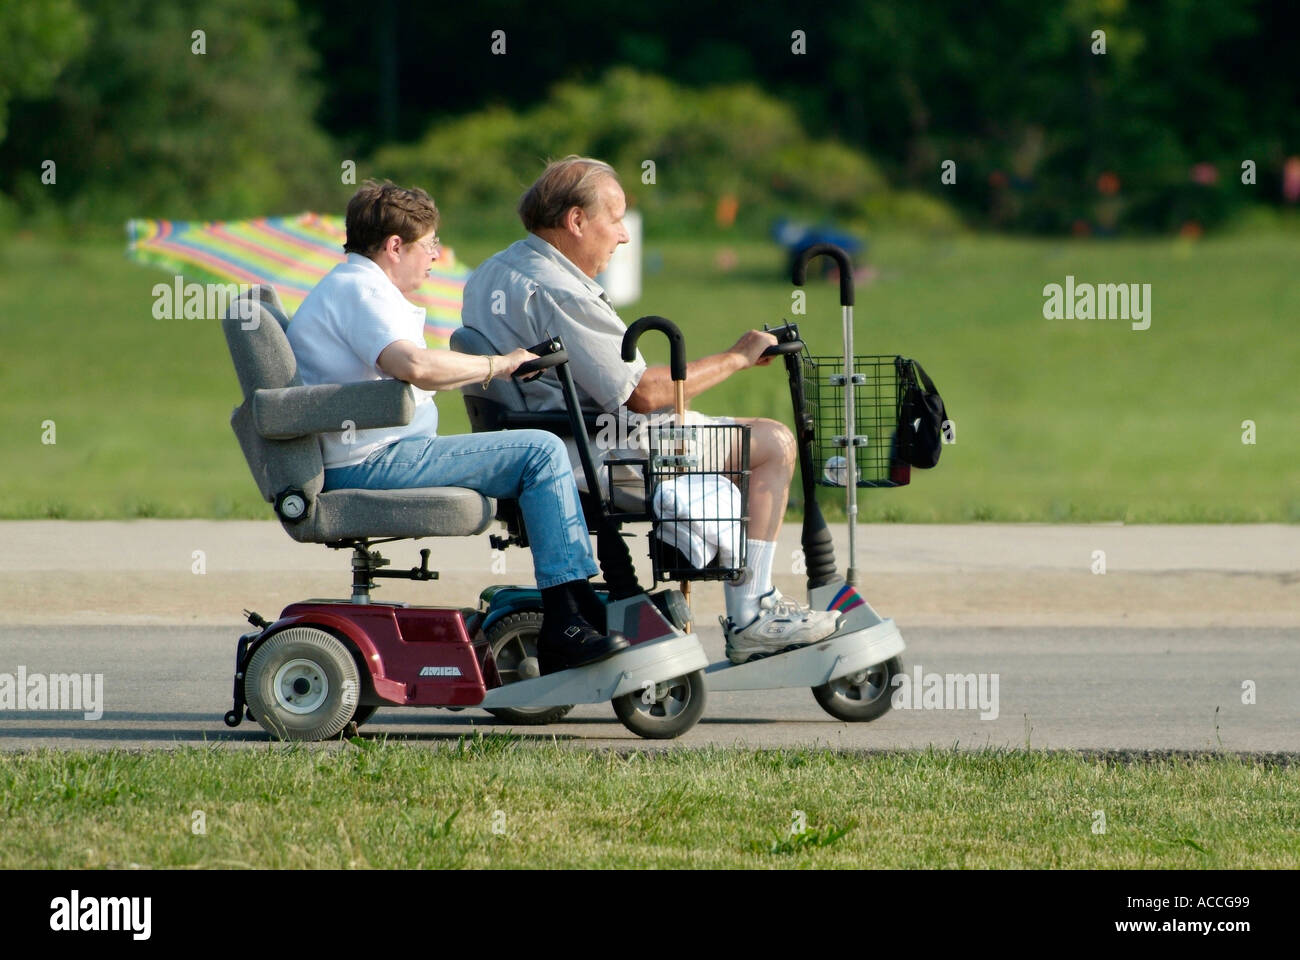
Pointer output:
x,y
488,378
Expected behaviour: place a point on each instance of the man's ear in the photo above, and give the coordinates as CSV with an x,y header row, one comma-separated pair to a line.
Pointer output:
x,y
575,220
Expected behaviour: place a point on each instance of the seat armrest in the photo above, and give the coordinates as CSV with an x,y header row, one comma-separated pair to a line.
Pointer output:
x,y
288,412
555,421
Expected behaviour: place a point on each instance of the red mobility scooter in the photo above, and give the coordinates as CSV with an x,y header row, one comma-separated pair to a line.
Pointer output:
x,y
323,666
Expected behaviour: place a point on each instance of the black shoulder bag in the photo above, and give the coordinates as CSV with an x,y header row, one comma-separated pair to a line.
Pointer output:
x,y
921,415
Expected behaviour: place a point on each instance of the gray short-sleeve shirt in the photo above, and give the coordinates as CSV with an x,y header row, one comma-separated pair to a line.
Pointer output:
x,y
530,291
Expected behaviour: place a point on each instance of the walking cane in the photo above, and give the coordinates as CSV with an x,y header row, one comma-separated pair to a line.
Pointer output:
x,y
849,380
677,368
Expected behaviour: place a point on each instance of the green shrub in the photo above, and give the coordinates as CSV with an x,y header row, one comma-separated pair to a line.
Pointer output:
x,y
140,123
704,144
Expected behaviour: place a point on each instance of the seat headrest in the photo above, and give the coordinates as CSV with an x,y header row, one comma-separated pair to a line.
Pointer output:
x,y
254,326
469,340
502,390
271,300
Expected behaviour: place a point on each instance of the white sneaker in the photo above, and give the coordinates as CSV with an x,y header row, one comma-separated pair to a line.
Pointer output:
x,y
781,624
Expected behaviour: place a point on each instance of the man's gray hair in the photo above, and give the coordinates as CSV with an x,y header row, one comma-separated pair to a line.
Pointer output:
x,y
572,182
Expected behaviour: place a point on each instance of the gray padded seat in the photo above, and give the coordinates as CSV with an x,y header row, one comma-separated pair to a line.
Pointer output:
x,y
628,494
503,390
277,425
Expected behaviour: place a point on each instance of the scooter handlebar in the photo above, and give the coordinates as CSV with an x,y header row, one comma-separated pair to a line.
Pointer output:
x,y
780,349
551,353
800,272
676,343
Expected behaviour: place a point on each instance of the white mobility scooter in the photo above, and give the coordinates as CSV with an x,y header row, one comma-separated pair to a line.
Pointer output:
x,y
836,401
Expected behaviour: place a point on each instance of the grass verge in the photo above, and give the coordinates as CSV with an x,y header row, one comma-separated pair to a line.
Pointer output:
x,y
498,801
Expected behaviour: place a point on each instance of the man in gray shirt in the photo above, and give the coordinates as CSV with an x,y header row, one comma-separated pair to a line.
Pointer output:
x,y
544,286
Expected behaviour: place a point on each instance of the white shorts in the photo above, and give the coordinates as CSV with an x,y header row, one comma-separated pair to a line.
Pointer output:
x,y
714,449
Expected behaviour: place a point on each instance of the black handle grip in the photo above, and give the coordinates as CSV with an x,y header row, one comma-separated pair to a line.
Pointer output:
x,y
780,349
800,272
676,343
550,353
541,363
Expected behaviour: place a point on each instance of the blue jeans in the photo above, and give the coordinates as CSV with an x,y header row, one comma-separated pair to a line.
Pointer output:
x,y
530,466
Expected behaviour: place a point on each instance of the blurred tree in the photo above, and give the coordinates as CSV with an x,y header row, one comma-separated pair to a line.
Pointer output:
x,y
38,39
156,118
1010,90
1014,92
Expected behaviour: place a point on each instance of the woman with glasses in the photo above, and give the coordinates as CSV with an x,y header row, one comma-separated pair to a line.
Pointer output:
x,y
357,324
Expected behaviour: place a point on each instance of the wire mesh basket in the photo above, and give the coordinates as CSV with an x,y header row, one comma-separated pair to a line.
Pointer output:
x,y
879,382
698,499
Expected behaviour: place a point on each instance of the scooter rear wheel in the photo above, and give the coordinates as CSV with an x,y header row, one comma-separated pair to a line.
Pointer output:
x,y
862,696
302,684
513,639
674,707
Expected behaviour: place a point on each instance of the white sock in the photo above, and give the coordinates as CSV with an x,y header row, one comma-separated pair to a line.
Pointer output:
x,y
742,598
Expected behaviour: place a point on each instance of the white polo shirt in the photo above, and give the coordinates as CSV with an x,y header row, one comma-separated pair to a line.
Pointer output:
x,y
337,336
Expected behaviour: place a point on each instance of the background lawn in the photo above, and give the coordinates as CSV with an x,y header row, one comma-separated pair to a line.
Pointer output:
x,y
1057,420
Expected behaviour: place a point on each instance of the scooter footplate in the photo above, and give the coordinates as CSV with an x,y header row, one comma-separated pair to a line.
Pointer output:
x,y
623,673
813,665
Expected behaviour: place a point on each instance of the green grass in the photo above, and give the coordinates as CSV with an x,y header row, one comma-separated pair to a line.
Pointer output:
x,y
1057,420
377,804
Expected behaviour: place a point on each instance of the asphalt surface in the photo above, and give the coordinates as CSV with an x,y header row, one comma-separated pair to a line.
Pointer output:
x,y
1101,688
1158,652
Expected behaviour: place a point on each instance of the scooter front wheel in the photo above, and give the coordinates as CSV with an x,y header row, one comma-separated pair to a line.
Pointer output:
x,y
513,640
862,696
665,711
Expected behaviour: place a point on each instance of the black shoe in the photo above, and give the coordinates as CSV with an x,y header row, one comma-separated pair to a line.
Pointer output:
x,y
590,605
576,644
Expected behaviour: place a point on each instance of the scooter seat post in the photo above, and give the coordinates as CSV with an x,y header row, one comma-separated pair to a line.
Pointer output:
x,y
362,584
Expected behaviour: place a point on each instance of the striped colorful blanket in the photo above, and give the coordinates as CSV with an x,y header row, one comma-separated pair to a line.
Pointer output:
x,y
291,253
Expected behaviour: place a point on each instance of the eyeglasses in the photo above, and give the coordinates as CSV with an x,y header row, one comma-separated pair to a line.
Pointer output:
x,y
430,246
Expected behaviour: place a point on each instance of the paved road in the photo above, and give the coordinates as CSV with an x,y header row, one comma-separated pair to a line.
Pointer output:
x,y
1117,688
1133,654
